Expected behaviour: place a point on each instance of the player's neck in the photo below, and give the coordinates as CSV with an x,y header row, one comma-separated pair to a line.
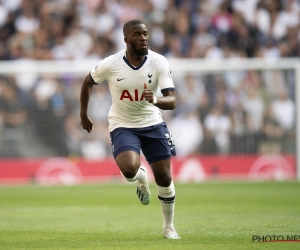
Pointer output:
x,y
133,59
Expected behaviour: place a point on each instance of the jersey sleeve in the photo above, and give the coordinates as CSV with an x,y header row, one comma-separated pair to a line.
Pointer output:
x,y
165,80
101,71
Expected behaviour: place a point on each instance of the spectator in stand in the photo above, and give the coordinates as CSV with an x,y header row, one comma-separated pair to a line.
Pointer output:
x,y
158,38
202,41
284,110
49,113
204,106
100,103
73,135
241,36
78,42
182,29
292,38
289,16
274,81
12,109
246,8
3,15
254,111
222,19
218,124
13,116
190,92
213,51
187,130
269,49
27,23
273,135
238,129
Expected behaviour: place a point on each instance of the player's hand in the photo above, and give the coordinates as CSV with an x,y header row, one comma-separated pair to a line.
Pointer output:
x,y
87,124
148,94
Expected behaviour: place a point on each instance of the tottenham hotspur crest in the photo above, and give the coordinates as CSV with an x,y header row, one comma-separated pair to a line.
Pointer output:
x,y
150,80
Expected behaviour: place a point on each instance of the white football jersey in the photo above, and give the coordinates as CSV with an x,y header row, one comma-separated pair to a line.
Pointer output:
x,y
126,84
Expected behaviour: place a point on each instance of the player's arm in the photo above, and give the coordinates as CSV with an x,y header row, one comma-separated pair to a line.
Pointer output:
x,y
85,94
165,83
167,102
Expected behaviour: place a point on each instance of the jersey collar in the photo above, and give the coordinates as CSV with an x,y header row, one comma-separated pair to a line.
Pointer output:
x,y
135,68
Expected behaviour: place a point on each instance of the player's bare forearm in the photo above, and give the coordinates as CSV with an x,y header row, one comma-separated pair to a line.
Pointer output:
x,y
167,102
85,94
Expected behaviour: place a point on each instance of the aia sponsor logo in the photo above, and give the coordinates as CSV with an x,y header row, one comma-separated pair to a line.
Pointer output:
x,y
134,96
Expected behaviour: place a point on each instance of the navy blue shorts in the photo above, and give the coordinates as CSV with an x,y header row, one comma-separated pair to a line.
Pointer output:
x,y
155,141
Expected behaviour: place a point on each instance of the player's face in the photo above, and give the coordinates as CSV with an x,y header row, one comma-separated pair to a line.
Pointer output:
x,y
138,39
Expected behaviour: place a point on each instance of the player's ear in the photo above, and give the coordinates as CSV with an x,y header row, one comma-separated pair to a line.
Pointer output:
x,y
125,40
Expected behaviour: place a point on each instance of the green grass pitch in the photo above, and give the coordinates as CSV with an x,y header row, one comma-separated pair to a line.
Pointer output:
x,y
212,215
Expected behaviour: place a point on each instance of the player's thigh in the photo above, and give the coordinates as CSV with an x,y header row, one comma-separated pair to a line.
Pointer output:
x,y
128,162
126,149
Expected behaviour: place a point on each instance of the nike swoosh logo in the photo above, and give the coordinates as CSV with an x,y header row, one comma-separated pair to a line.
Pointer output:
x,y
120,79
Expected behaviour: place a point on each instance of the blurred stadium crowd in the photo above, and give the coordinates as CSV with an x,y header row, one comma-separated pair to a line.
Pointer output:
x,y
235,112
76,29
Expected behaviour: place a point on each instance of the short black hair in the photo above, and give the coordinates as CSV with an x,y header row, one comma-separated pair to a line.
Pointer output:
x,y
130,23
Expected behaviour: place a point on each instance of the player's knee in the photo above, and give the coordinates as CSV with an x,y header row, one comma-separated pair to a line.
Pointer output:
x,y
128,169
128,172
164,180
128,163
